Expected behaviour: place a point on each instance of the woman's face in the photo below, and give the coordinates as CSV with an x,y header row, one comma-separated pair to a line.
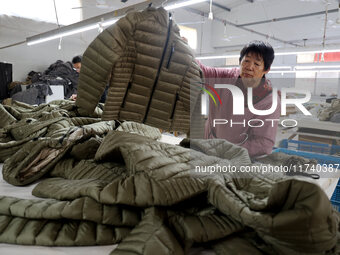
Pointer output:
x,y
252,70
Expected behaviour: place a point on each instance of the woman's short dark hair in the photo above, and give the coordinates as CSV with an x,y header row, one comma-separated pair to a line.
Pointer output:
x,y
76,59
263,49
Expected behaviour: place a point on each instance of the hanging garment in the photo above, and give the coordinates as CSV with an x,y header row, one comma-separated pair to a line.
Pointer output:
x,y
152,71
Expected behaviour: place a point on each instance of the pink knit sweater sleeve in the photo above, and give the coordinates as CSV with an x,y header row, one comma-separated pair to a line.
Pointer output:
x,y
216,72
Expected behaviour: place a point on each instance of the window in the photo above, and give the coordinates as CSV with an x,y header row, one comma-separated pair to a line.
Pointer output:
x,y
232,62
318,82
43,10
305,80
190,34
305,58
327,83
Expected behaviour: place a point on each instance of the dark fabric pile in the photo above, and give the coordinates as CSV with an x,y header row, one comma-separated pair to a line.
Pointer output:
x,y
37,85
62,73
33,94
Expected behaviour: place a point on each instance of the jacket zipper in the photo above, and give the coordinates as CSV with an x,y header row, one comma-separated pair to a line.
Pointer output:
x,y
173,109
159,67
125,95
170,56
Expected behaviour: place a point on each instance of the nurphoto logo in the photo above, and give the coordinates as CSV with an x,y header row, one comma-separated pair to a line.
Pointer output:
x,y
239,108
238,100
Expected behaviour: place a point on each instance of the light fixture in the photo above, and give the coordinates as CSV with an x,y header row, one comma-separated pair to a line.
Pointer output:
x,y
306,52
211,15
37,39
297,71
307,68
280,67
316,67
283,71
271,68
233,55
182,4
109,22
326,71
66,31
218,57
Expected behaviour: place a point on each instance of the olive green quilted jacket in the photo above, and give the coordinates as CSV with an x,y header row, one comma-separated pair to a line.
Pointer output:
x,y
152,74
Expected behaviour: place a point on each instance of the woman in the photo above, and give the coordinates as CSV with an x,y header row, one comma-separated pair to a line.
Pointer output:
x,y
254,132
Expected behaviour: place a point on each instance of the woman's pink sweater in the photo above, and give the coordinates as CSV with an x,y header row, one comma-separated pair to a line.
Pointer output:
x,y
260,140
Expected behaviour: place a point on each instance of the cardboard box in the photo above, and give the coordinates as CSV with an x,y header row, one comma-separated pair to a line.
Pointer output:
x,y
315,139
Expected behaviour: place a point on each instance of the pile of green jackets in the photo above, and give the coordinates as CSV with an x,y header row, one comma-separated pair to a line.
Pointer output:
x,y
111,182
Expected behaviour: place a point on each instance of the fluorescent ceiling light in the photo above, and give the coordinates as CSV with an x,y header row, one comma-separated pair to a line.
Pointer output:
x,y
109,22
280,67
316,67
326,71
36,40
305,52
296,71
183,4
271,68
233,55
218,57
78,28
283,71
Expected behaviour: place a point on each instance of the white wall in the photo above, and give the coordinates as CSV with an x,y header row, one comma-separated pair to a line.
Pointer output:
x,y
36,57
201,24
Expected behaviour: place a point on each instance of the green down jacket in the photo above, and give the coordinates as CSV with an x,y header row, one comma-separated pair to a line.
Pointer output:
x,y
152,73
109,186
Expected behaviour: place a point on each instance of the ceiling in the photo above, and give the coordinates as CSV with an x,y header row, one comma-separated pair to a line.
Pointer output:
x,y
289,23
283,23
300,22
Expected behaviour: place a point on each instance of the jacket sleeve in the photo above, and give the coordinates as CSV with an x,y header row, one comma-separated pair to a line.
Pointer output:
x,y
261,140
98,61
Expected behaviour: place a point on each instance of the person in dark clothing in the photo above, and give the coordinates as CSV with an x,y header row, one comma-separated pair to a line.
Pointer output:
x,y
76,61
